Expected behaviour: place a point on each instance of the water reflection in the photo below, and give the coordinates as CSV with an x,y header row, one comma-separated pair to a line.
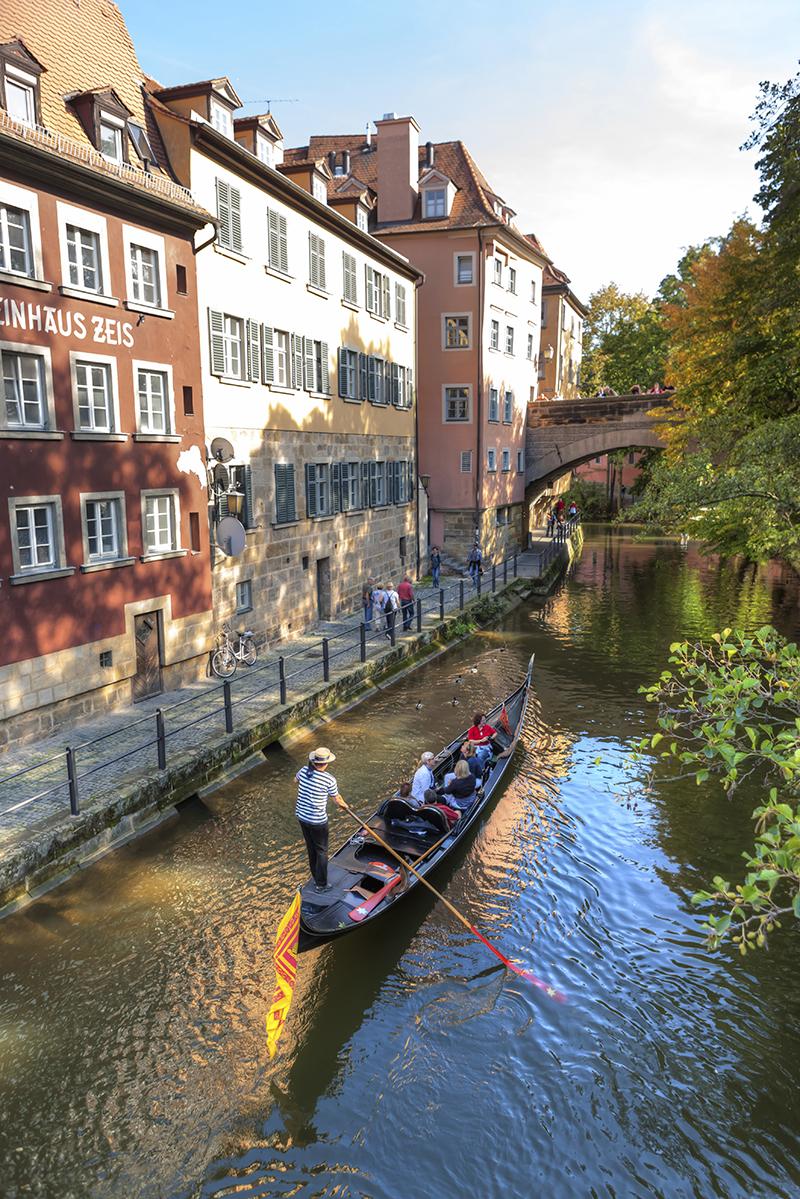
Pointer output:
x,y
132,1056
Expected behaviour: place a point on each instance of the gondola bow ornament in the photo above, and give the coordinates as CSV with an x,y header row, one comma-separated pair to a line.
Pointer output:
x,y
285,961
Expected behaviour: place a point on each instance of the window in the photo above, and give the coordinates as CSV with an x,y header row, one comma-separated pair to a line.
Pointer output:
x,y
95,396
316,376
456,404
145,281
465,269
35,536
264,149
350,484
316,261
227,345
103,529
229,213
401,481
544,313
434,202
318,189
188,401
512,280
160,523
152,387
348,374
318,490
456,332
26,403
509,339
378,496
529,351
281,361
244,596
180,280
83,256
15,241
494,404
533,291
221,118
498,272
400,304
362,219
541,371
277,243
376,381
520,462
631,459
466,462
506,460
494,335
349,284
508,407
378,293
285,508
491,460
111,138
20,94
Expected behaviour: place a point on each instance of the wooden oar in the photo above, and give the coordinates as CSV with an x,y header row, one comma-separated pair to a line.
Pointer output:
x,y
537,982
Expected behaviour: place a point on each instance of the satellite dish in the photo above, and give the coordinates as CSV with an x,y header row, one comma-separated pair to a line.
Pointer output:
x,y
231,537
221,476
221,449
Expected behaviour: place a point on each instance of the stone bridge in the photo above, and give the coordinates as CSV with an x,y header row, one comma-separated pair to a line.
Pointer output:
x,y
561,434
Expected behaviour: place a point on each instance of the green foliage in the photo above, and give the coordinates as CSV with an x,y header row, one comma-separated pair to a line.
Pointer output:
x,y
591,498
624,342
729,711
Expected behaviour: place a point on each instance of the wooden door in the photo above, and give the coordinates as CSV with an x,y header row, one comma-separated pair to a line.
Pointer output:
x,y
147,635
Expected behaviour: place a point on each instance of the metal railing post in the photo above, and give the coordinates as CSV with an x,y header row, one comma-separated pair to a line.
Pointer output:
x,y
161,740
515,566
392,633
226,695
419,615
479,582
505,571
441,603
326,661
363,639
282,678
494,577
461,595
72,775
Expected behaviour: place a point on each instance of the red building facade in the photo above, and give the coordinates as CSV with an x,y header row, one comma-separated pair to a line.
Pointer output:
x,y
105,588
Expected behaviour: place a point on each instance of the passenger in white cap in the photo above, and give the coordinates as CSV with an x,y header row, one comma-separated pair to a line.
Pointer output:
x,y
314,787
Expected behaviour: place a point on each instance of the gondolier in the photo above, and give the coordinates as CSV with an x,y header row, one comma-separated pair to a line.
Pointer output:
x,y
314,787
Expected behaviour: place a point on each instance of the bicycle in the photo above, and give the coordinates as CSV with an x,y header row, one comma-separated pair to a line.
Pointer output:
x,y
227,656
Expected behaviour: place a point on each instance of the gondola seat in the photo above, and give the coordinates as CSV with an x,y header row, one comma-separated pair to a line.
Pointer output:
x,y
406,818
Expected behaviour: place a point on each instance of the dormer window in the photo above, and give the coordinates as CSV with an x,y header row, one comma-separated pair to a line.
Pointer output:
x,y
111,138
318,189
264,150
105,120
437,193
435,202
362,220
19,83
221,117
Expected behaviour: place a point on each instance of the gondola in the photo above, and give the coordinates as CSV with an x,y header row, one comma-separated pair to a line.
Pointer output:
x,y
366,881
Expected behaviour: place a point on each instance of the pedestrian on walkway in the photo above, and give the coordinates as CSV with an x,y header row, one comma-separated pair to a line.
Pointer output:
x,y
391,606
378,602
436,565
552,521
366,600
560,506
405,593
314,787
474,562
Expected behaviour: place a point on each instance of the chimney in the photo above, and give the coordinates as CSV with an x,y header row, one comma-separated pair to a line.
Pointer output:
x,y
346,161
398,168
369,135
429,154
332,160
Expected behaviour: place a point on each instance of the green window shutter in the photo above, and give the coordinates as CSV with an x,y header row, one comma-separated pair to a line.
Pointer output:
x,y
308,364
291,505
284,248
236,219
268,338
249,508
325,381
343,373
297,362
370,289
253,351
285,511
313,260
224,212
409,387
216,326
311,491
387,297
363,387
336,488
365,500
273,244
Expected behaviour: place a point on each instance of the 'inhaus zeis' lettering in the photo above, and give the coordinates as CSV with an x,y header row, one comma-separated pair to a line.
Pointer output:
x,y
60,322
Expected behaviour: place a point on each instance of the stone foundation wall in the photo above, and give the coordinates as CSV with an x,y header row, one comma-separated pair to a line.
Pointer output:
x,y
496,541
280,561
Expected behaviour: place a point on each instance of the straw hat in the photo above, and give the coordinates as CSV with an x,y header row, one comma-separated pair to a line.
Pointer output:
x,y
321,756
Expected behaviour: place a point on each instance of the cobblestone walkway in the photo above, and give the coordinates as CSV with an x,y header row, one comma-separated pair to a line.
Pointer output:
x,y
119,747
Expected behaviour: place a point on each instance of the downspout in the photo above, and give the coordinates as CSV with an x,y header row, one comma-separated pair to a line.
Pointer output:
x,y
417,283
479,396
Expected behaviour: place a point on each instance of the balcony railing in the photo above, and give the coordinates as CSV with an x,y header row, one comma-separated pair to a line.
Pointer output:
x,y
66,147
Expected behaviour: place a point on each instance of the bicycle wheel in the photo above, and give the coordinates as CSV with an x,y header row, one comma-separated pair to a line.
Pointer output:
x,y
223,662
249,652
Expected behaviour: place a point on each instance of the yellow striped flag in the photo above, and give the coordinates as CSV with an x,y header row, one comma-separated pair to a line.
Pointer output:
x,y
285,959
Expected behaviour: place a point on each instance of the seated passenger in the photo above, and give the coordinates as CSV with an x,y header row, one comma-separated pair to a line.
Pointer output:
x,y
423,778
461,791
481,735
469,756
451,814
404,790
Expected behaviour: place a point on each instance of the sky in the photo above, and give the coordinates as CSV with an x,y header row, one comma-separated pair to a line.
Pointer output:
x,y
613,128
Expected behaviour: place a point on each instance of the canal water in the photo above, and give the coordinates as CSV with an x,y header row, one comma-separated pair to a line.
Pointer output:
x,y
132,1001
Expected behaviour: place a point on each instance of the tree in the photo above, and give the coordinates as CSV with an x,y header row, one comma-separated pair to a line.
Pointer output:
x,y
625,341
729,712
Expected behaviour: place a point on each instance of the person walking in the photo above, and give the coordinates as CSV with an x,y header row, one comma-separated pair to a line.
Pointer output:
x,y
391,607
405,594
474,560
378,604
366,600
436,565
314,787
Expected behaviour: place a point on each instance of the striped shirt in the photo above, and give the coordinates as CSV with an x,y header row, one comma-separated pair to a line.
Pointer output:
x,y
313,789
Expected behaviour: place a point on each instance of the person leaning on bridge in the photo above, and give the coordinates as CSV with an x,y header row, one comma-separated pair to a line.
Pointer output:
x,y
314,787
